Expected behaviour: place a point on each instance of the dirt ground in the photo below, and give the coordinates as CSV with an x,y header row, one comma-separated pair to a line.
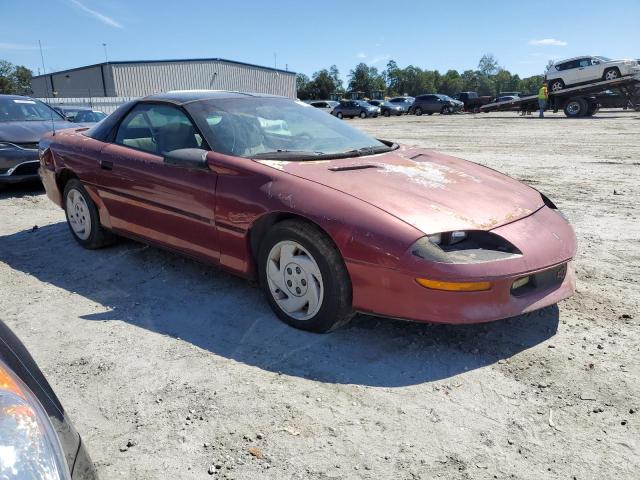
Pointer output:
x,y
189,366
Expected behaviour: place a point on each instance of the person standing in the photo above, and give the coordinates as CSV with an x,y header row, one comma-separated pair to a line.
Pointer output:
x,y
543,96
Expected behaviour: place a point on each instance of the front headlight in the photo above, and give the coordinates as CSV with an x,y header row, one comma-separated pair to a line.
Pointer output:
x,y
473,246
29,445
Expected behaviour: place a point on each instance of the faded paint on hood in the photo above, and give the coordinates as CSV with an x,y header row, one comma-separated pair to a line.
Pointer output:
x,y
431,191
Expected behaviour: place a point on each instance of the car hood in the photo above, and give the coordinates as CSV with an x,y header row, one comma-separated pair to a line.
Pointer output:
x,y
431,191
29,131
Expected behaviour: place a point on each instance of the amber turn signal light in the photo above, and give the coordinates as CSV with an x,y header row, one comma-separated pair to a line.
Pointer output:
x,y
454,286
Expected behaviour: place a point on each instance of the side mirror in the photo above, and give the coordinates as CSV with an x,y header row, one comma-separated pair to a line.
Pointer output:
x,y
187,158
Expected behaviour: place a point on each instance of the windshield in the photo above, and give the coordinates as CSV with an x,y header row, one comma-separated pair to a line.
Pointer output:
x,y
277,128
25,110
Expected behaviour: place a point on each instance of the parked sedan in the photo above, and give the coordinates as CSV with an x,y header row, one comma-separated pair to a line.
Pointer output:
x,y
355,108
329,220
387,108
403,102
84,116
37,439
435,103
23,121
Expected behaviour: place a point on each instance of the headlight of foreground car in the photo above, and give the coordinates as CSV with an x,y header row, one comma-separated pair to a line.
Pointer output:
x,y
462,247
29,446
473,246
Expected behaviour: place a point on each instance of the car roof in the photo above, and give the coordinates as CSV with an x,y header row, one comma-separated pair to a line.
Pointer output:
x,y
181,97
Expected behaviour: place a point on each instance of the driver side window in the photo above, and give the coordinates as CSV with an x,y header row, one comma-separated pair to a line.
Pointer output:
x,y
157,129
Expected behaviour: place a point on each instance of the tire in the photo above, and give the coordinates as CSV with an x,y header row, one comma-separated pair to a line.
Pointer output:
x,y
556,85
387,113
417,111
314,263
363,115
576,107
82,217
429,113
446,110
592,109
611,74
339,115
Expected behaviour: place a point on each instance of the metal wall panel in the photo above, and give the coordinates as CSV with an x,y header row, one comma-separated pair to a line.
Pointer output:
x,y
81,82
139,79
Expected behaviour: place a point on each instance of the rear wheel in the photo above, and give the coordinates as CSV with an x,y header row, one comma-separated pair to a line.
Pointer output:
x,y
418,111
576,107
556,85
611,74
339,115
304,277
82,217
387,113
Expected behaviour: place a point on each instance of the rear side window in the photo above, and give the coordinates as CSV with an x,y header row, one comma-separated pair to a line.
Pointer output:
x,y
585,62
157,129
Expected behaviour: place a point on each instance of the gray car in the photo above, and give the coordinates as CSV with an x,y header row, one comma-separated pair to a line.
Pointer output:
x,y
23,121
404,102
85,116
435,103
387,108
326,105
355,108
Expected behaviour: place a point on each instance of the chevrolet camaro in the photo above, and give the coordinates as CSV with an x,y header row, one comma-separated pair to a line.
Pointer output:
x,y
329,220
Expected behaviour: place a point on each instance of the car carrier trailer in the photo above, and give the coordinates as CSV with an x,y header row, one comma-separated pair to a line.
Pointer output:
x,y
578,101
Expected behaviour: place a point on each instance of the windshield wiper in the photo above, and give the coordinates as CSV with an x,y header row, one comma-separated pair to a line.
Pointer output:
x,y
361,152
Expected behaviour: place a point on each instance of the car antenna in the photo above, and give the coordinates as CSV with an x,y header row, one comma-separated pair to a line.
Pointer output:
x,y
44,70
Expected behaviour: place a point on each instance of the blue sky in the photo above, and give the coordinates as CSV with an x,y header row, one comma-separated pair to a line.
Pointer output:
x,y
308,36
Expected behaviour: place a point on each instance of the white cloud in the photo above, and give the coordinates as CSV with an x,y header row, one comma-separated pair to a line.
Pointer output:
x,y
100,16
17,46
547,42
361,55
380,58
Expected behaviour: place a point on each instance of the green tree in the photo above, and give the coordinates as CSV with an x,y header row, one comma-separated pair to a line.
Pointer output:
x,y
14,80
450,83
488,64
366,79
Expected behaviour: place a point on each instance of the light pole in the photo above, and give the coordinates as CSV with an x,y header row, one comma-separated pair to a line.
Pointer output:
x,y
106,57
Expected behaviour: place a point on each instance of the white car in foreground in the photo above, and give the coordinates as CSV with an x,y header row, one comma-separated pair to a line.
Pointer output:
x,y
574,71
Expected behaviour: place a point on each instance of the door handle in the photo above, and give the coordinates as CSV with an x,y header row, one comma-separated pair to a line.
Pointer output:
x,y
106,165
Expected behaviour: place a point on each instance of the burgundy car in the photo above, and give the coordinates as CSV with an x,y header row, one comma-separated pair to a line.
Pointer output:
x,y
330,220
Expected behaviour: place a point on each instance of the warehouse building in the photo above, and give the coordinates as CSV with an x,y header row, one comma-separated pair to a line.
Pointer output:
x,y
140,78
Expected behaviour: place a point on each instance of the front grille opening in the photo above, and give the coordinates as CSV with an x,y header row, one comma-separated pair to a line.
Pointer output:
x,y
546,279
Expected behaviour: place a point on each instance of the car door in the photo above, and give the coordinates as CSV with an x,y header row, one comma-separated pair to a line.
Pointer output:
x,y
169,204
430,104
585,71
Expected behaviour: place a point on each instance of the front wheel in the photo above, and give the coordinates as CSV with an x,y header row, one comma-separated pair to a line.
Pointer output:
x,y
611,74
82,217
556,85
418,111
304,277
363,114
339,115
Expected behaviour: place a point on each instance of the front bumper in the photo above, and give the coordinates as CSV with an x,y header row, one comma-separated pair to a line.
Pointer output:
x,y
547,244
20,165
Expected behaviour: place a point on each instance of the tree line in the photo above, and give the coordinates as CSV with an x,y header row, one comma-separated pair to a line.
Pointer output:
x,y
14,79
487,79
